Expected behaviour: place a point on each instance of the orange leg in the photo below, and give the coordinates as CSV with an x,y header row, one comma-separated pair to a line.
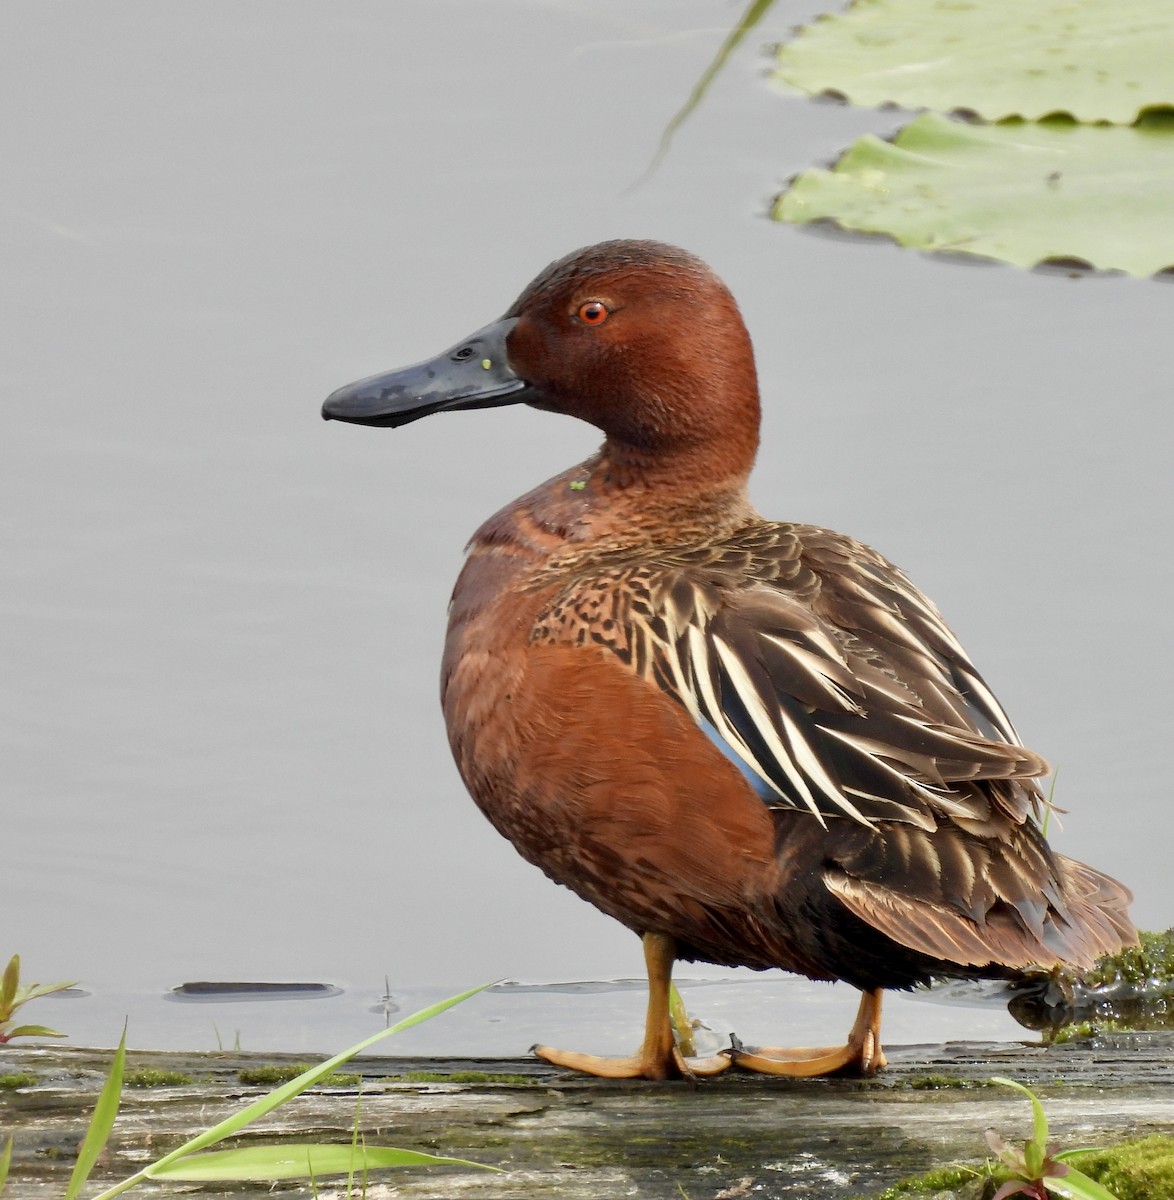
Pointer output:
x,y
658,1056
861,1055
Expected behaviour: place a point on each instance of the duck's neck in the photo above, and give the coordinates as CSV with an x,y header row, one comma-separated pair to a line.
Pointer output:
x,y
619,500
665,497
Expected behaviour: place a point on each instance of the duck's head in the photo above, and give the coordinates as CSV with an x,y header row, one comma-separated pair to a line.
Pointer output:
x,y
638,338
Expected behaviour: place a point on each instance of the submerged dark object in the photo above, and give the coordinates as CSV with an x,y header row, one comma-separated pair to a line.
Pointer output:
x,y
1133,989
240,990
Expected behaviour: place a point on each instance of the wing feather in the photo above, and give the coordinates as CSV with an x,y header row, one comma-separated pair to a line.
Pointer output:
x,y
819,670
839,686
838,692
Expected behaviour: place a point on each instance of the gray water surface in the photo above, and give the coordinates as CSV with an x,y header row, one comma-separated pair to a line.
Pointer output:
x,y
221,755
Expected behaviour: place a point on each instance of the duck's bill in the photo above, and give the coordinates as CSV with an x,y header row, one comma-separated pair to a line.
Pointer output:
x,y
475,373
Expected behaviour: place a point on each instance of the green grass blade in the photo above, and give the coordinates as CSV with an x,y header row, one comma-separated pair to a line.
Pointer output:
x,y
293,1160
1078,1186
1035,1148
281,1095
1049,805
100,1123
746,22
5,1162
1040,1119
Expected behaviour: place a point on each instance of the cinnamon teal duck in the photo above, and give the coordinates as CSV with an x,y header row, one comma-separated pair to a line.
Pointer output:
x,y
755,743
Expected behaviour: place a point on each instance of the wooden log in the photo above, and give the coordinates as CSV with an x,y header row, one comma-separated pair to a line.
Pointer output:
x,y
558,1135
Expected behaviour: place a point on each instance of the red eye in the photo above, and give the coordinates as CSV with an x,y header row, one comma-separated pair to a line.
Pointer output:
x,y
593,312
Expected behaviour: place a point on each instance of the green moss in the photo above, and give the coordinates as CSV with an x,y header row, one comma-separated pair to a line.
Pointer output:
x,y
150,1077
1141,1169
272,1074
1079,1030
18,1080
1149,964
275,1074
458,1077
940,1179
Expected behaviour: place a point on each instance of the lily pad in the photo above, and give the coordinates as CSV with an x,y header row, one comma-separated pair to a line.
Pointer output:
x,y
1096,60
1020,192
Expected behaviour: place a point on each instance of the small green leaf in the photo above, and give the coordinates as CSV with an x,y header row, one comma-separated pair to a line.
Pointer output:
x,y
36,990
1040,1130
34,1031
297,1161
1078,1186
100,1123
1075,1152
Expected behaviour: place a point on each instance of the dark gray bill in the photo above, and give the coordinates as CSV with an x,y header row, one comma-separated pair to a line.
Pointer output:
x,y
474,373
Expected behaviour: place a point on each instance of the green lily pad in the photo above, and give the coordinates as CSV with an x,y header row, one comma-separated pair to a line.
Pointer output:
x,y
1020,192
1096,60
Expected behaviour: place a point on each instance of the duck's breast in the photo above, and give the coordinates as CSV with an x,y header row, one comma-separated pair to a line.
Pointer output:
x,y
595,774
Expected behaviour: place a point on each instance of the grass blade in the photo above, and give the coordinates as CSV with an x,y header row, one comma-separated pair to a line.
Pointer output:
x,y
293,1160
279,1096
1039,1117
100,1123
350,1179
746,22
1049,805
36,990
5,1162
8,984
1035,1148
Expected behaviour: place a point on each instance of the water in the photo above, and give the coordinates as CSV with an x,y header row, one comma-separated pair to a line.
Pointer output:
x,y
221,755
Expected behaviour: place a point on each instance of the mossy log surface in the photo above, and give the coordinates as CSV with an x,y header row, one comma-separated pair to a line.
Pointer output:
x,y
557,1135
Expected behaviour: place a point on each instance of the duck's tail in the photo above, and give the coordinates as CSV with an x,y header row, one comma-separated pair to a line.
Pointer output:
x,y
1096,919
1008,912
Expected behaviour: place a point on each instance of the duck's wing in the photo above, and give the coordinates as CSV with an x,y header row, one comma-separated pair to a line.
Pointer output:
x,y
834,684
838,691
